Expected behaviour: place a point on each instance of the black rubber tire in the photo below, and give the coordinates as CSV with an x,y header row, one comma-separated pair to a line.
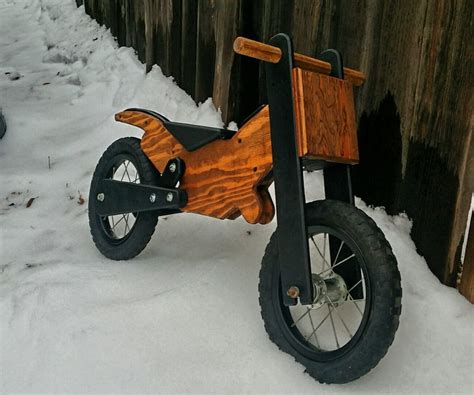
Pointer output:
x,y
145,222
385,289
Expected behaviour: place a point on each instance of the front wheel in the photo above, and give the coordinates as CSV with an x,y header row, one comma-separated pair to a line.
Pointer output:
x,y
353,318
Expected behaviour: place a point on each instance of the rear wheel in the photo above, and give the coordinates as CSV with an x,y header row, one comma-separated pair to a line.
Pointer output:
x,y
123,236
357,296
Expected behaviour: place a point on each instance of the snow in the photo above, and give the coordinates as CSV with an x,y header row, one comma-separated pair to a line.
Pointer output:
x,y
183,317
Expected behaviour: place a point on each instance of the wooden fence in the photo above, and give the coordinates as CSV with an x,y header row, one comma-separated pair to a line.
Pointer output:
x,y
415,110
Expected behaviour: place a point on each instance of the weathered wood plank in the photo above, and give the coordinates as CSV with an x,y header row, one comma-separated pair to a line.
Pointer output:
x,y
243,91
227,18
187,76
274,17
426,68
164,35
309,26
205,49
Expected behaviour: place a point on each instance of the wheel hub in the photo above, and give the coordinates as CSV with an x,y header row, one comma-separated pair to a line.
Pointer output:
x,y
332,290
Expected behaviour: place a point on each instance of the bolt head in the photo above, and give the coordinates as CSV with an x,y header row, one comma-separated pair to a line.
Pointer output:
x,y
153,198
293,292
100,197
169,197
172,167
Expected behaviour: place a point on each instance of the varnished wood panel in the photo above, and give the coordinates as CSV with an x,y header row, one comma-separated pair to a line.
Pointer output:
x,y
325,117
223,179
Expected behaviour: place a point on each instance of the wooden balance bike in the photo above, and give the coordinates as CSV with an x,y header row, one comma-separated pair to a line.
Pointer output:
x,y
330,291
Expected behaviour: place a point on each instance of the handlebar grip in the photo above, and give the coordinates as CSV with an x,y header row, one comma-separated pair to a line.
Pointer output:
x,y
269,53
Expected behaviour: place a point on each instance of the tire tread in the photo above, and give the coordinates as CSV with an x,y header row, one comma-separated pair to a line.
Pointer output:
x,y
340,371
148,220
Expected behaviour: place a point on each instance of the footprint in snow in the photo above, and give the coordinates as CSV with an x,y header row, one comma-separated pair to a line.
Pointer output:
x,y
13,75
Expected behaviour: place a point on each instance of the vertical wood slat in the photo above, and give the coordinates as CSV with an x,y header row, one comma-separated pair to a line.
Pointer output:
x,y
205,49
187,76
150,34
121,15
274,17
138,25
227,20
165,35
306,29
243,92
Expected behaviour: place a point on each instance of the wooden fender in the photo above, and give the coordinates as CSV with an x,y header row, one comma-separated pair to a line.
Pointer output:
x,y
223,179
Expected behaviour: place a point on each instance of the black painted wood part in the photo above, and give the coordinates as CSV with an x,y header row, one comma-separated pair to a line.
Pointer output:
x,y
293,251
118,197
191,137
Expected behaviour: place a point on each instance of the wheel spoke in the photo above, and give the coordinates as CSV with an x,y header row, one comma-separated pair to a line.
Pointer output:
x,y
324,259
324,248
123,173
120,220
128,174
314,330
339,251
337,312
322,322
333,327
355,285
337,264
355,304
299,319
126,225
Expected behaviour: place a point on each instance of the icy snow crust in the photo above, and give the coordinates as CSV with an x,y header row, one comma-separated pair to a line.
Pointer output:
x,y
183,317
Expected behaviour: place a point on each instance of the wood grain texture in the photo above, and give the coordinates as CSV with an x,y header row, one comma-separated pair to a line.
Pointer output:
x,y
205,50
269,53
223,179
227,18
325,117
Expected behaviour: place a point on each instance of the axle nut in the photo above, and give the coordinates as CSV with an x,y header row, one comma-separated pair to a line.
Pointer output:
x,y
100,197
293,292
